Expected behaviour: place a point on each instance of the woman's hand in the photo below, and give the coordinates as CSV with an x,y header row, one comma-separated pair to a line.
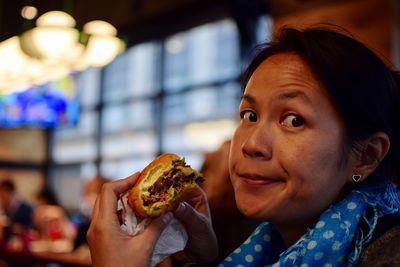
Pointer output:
x,y
109,246
202,245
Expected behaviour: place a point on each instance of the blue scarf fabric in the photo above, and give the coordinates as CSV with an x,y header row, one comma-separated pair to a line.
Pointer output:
x,y
336,239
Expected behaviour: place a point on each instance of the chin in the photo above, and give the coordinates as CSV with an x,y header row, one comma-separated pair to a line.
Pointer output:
x,y
251,208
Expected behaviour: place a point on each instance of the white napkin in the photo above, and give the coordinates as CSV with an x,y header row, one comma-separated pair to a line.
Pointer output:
x,y
172,239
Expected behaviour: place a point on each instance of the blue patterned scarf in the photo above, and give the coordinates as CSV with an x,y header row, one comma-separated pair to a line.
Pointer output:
x,y
336,239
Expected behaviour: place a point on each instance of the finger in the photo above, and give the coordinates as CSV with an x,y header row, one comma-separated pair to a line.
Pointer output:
x,y
189,215
155,228
95,211
200,232
110,193
195,194
122,185
200,203
198,200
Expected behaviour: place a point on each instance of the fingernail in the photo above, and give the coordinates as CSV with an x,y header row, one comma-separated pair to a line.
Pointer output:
x,y
181,209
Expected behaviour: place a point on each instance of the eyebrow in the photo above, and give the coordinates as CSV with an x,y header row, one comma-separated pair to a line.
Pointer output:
x,y
248,98
292,94
283,96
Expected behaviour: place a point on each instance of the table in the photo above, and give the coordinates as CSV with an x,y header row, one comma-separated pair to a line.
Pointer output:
x,y
26,257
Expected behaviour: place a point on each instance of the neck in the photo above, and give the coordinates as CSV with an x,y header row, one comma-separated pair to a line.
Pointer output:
x,y
290,234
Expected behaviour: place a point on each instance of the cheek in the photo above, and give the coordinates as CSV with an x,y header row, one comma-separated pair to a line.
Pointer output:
x,y
316,170
235,155
235,147
231,163
312,152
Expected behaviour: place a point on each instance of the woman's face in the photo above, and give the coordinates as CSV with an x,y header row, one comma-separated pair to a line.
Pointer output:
x,y
287,159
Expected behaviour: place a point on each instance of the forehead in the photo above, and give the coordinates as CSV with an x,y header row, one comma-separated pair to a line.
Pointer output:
x,y
285,71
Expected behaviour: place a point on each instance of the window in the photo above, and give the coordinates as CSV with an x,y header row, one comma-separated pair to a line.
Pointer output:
x,y
203,55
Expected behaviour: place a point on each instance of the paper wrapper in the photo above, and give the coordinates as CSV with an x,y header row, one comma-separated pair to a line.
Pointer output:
x,y
172,239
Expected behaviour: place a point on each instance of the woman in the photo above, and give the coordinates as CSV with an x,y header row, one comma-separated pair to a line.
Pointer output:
x,y
315,156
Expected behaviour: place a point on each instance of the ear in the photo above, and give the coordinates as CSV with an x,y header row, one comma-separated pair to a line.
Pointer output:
x,y
374,149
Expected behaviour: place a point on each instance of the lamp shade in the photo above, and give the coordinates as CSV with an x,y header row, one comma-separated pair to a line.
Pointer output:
x,y
15,66
101,50
19,71
53,49
103,45
54,39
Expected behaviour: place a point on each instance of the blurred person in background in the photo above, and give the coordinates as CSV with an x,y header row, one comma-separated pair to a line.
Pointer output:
x,y
47,197
15,225
17,213
230,226
91,190
56,231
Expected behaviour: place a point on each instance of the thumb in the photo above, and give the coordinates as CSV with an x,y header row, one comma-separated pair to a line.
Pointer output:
x,y
155,228
202,244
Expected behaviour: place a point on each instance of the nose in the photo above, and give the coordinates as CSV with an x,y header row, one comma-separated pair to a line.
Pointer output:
x,y
258,144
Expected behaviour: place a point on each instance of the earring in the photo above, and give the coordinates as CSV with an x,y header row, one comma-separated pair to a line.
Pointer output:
x,y
356,178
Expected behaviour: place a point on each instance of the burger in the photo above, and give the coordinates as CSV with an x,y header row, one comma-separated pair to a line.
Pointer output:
x,y
162,185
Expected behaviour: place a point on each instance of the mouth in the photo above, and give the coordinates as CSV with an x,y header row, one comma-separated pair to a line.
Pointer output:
x,y
257,180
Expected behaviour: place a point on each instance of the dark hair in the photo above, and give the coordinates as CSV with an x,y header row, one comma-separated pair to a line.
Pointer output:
x,y
8,185
363,89
48,196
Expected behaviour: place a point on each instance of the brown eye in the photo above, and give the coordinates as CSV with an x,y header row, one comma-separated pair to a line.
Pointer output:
x,y
292,120
248,115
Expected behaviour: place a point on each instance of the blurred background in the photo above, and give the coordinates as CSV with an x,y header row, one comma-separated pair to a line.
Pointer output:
x,y
169,80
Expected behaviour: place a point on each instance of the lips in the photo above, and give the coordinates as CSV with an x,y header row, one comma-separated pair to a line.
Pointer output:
x,y
254,179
